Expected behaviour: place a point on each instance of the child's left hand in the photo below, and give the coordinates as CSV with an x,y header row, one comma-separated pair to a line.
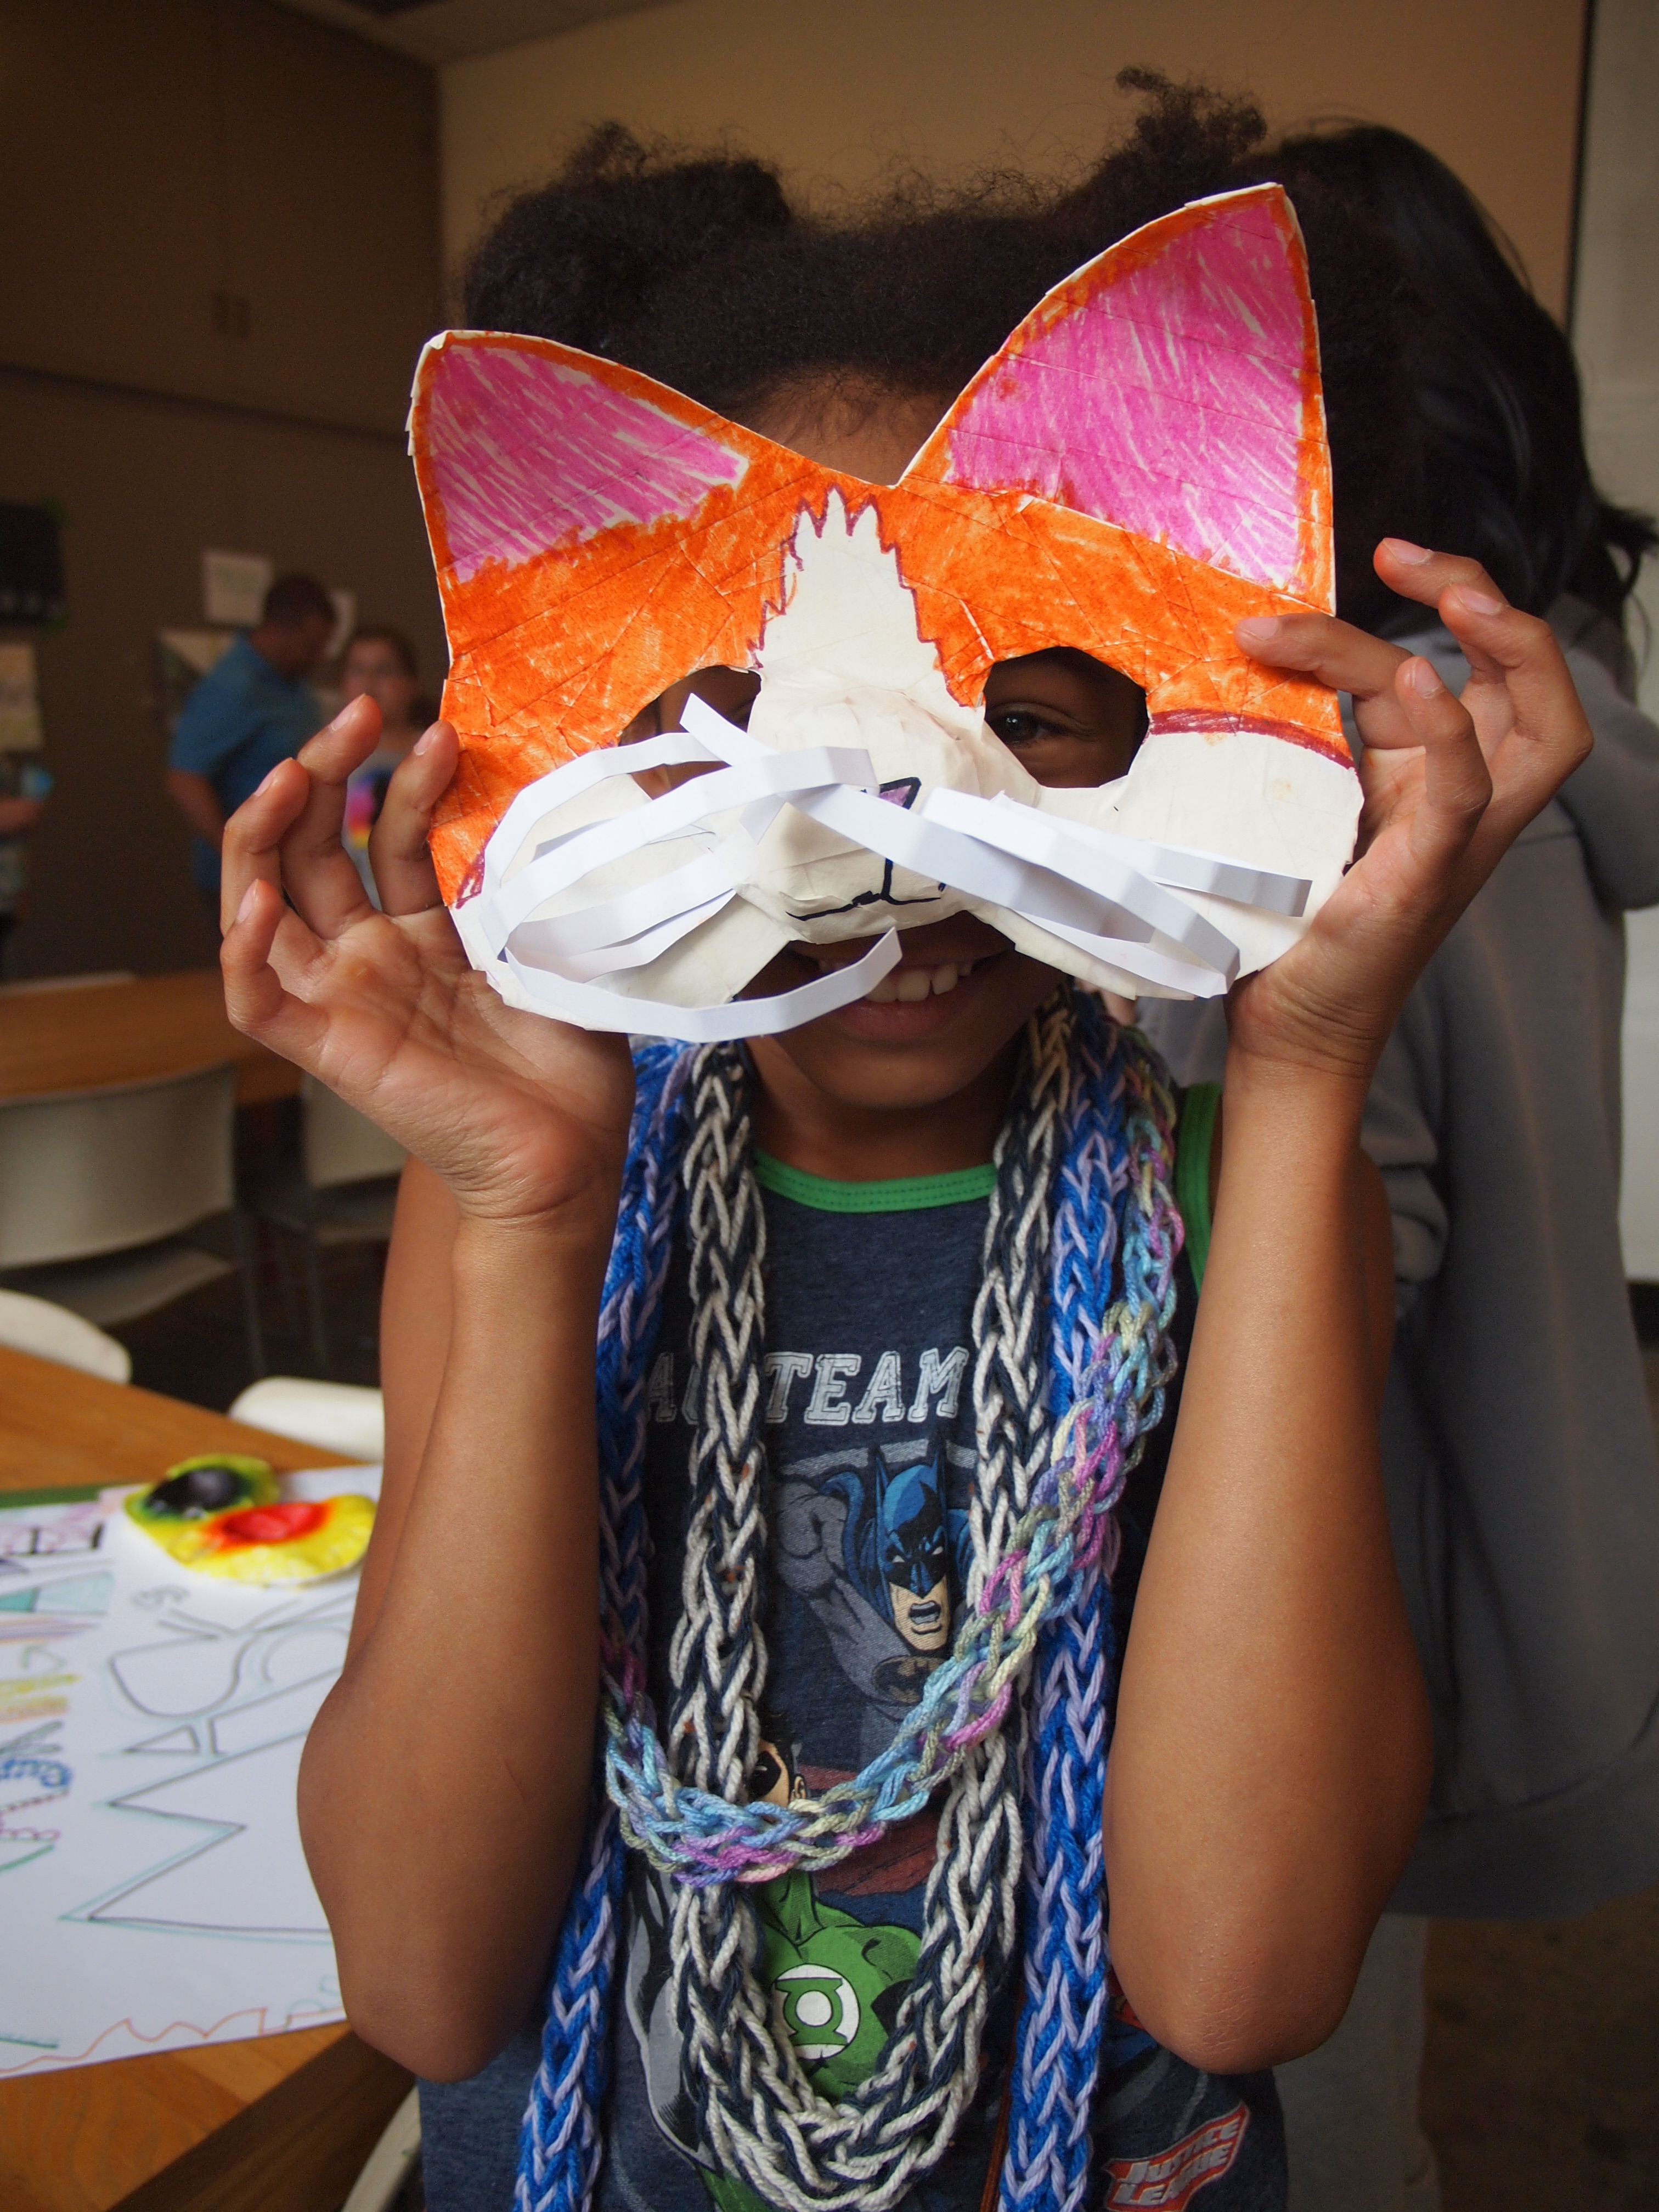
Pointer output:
x,y
1447,785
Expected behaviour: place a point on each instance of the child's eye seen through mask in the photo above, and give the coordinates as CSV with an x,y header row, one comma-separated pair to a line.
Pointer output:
x,y
1069,720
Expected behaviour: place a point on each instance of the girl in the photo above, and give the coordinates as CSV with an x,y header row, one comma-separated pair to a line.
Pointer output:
x,y
850,1378
380,662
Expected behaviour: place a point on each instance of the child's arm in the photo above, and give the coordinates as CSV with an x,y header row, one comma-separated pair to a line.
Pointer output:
x,y
444,1784
1272,1754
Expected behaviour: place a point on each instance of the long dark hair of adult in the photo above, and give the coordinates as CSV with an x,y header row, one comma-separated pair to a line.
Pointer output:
x,y
1496,465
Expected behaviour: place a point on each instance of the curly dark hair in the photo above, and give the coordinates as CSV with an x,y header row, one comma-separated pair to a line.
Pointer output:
x,y
696,269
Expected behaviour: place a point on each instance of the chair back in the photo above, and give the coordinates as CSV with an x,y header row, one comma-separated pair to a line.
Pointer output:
x,y
341,1417
341,1145
52,1332
83,1172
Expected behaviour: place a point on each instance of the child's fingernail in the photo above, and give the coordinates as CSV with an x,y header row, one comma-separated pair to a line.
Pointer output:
x,y
1256,629
1479,603
423,743
1402,548
1422,678
266,780
248,898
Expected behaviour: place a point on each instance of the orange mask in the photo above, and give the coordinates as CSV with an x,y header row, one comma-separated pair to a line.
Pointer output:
x,y
1142,465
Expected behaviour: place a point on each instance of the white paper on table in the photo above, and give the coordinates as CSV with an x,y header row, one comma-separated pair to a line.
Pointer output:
x,y
154,1895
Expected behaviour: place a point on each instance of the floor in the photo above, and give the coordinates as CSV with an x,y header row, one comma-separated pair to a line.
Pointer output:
x,y
1540,2083
1542,2079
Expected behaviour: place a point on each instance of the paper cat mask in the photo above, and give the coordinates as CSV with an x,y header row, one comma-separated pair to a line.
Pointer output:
x,y
1141,465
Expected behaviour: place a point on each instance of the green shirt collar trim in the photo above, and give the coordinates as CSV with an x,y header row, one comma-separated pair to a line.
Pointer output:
x,y
900,1195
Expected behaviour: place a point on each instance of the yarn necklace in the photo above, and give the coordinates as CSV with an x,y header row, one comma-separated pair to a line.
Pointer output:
x,y
1084,1170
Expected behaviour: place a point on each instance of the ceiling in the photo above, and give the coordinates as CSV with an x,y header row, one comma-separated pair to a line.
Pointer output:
x,y
449,30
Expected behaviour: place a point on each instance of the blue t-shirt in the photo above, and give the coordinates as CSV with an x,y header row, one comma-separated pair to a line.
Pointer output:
x,y
239,722
870,1434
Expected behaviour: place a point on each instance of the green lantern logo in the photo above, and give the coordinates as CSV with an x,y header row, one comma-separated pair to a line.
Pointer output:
x,y
818,2010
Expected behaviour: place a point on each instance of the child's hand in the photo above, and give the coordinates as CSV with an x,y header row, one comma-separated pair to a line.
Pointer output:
x,y
1448,785
524,1119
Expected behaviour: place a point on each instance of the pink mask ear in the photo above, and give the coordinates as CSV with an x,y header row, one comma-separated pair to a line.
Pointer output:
x,y
1171,386
526,448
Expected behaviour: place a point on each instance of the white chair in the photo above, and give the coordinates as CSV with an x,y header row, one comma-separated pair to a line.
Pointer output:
x,y
377,2186
339,1416
52,1332
343,1191
98,1187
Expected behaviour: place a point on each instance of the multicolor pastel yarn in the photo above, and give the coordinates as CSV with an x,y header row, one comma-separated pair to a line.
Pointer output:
x,y
1062,1400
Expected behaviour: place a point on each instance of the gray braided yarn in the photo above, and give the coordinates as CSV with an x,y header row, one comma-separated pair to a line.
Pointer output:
x,y
759,2117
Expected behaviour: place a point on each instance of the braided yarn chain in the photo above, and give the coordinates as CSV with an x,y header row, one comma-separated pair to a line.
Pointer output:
x,y
1112,1363
758,2115
1023,1568
560,2141
767,2125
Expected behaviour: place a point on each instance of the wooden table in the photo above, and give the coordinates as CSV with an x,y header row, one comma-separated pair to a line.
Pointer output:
x,y
76,1038
279,2123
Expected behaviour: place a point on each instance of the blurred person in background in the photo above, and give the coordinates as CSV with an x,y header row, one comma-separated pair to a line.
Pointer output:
x,y
380,661
253,709
1517,1445
25,787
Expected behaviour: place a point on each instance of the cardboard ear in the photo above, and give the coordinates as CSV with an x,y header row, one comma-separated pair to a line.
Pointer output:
x,y
597,537
528,449
1171,387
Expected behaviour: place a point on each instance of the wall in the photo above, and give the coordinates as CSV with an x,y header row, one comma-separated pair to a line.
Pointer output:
x,y
840,94
222,260
1616,331
145,485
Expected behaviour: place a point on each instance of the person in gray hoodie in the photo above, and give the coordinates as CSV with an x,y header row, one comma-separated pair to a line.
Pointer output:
x,y
1518,1445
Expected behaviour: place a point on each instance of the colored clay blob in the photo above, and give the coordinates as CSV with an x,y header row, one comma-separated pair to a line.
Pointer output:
x,y
222,1514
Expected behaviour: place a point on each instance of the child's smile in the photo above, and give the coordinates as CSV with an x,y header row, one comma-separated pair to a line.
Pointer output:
x,y
948,979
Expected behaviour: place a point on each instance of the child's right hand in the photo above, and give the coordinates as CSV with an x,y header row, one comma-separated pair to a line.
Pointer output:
x,y
525,1119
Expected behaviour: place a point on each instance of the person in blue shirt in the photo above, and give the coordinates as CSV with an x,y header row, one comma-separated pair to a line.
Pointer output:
x,y
253,709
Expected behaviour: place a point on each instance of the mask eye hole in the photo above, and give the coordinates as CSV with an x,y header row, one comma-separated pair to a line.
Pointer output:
x,y
1071,721
730,691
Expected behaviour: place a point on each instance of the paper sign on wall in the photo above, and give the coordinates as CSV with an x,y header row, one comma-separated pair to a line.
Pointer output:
x,y
233,587
19,701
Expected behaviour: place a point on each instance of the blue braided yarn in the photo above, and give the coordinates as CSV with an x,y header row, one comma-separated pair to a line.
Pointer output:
x,y
560,2144
1117,1134
1107,1379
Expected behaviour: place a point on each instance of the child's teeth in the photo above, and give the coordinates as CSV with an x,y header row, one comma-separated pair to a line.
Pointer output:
x,y
909,986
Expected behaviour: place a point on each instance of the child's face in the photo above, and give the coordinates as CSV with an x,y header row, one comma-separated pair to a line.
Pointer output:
x,y
961,994
374,666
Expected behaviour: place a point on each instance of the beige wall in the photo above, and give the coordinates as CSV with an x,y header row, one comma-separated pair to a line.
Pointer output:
x,y
839,92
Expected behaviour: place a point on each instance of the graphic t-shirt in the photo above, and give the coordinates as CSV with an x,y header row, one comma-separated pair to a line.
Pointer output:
x,y
869,1303
869,1470
366,791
